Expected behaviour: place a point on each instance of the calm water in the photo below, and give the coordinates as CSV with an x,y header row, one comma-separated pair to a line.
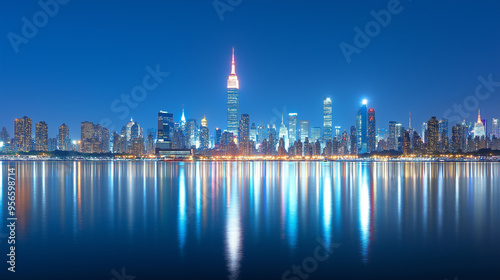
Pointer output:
x,y
254,220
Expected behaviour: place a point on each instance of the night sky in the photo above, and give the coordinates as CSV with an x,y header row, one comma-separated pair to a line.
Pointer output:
x,y
288,58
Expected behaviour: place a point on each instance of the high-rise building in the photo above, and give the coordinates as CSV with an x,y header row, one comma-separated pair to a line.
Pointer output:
x,y
424,131
304,130
353,141
292,128
191,133
23,134
42,136
244,128
233,87
432,135
495,128
91,137
315,134
456,138
283,134
399,137
137,146
443,129
391,139
253,133
371,134
204,134
4,139
361,128
63,138
327,119
479,130
165,128
218,136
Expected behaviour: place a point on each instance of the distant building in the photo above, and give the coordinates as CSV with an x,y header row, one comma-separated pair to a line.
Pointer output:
x,y
432,135
244,128
63,138
283,134
304,130
327,119
204,134
315,134
91,138
23,134
232,99
372,128
292,128
479,130
361,128
165,129
42,137
138,146
495,128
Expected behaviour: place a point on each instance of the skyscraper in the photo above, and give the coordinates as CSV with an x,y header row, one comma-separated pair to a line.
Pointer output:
x,y
204,134
233,86
479,130
283,134
23,134
315,134
371,134
495,128
327,119
432,135
244,129
42,136
63,138
361,128
165,126
292,128
304,130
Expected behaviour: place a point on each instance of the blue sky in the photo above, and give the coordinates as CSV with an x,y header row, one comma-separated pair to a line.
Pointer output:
x,y
425,60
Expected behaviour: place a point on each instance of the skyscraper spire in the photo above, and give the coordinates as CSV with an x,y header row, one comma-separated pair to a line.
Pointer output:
x,y
183,118
233,66
282,118
479,116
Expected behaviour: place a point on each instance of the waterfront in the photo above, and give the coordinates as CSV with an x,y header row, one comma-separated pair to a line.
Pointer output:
x,y
255,220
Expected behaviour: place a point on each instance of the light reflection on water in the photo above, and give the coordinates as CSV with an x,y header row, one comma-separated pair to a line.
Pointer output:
x,y
231,209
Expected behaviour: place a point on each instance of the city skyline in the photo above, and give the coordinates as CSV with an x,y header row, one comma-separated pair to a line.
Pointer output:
x,y
282,73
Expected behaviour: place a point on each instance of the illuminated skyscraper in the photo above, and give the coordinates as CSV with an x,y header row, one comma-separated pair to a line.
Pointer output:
x,y
204,134
371,134
361,128
232,99
63,138
304,130
292,128
315,134
495,128
432,135
327,119
244,129
23,134
283,134
479,130
42,136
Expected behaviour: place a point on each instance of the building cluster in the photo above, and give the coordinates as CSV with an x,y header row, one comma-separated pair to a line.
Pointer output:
x,y
244,138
